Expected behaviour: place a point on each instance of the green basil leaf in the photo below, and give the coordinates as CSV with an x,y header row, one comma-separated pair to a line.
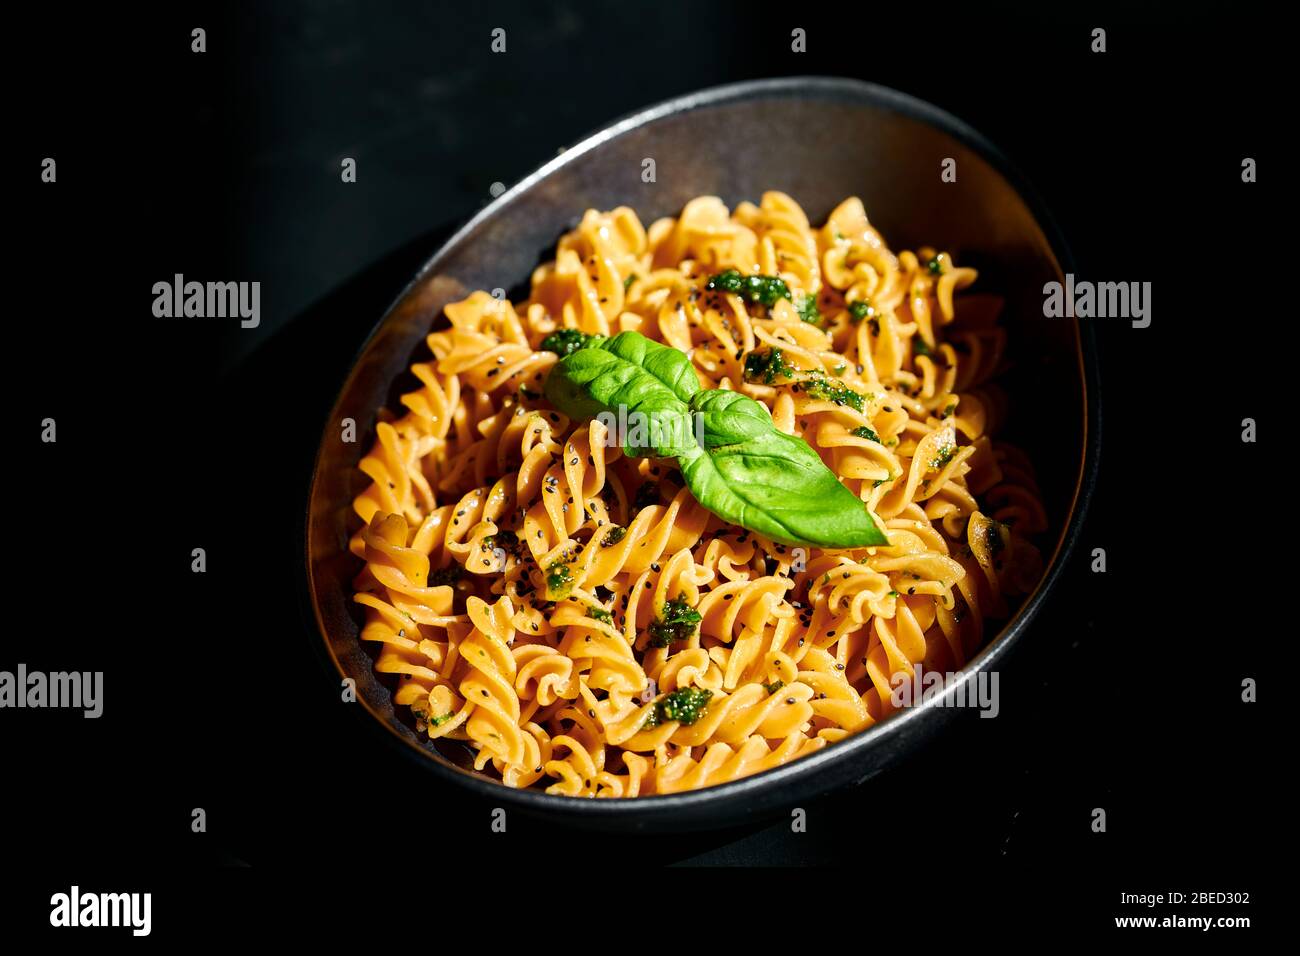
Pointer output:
x,y
742,468
644,386
752,474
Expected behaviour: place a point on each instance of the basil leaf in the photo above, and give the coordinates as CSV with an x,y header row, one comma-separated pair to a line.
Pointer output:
x,y
752,474
742,468
643,385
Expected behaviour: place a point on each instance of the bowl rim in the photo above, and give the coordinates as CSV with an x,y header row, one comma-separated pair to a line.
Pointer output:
x,y
897,727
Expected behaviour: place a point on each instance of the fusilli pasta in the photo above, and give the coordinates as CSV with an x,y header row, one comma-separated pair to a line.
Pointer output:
x,y
482,494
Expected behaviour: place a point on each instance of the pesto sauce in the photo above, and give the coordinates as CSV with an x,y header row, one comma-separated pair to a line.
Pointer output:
x,y
808,310
685,706
764,290
861,310
943,456
559,581
766,366
677,622
831,390
567,341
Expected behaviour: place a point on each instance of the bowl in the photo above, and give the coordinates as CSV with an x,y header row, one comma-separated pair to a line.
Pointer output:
x,y
819,140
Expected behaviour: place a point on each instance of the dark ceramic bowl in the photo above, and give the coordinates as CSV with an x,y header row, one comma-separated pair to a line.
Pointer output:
x,y
819,140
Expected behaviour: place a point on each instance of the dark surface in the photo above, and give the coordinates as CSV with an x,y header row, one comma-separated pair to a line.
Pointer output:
x,y
174,435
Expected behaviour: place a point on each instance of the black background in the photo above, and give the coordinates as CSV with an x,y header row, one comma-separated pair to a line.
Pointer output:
x,y
175,435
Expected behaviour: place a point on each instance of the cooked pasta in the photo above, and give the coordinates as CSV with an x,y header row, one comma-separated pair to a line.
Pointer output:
x,y
579,620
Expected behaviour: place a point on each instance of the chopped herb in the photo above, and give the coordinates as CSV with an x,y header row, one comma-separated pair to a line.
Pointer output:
x,y
766,366
919,346
808,310
613,536
677,622
766,290
861,310
685,706
865,431
440,719
567,341
559,581
830,390
599,614
938,265
949,409
943,456
773,687
627,283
